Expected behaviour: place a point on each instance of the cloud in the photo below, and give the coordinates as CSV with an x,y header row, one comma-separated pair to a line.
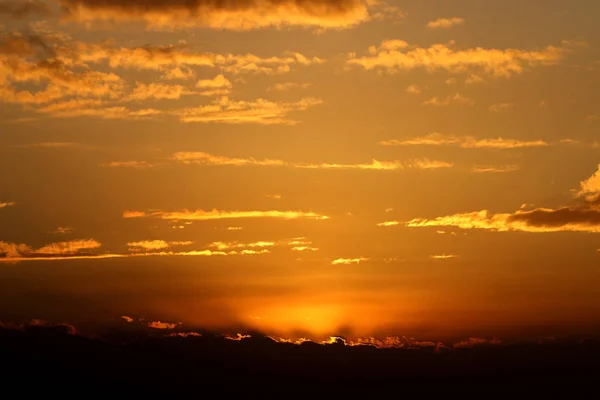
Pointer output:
x,y
133,214
388,223
218,82
201,215
259,111
582,216
304,248
24,8
63,230
73,249
127,319
492,169
232,15
7,204
201,158
445,23
590,188
468,142
443,256
155,91
446,101
439,57
348,261
54,145
280,87
129,164
500,107
176,61
161,325
474,79
149,245
573,219
54,75
414,89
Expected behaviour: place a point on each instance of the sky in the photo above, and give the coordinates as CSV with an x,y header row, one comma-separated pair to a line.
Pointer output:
x,y
424,168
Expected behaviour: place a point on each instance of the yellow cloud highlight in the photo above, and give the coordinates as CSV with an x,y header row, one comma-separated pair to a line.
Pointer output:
x,y
149,245
468,142
445,23
573,219
218,82
439,57
443,256
201,215
201,158
590,188
348,261
388,223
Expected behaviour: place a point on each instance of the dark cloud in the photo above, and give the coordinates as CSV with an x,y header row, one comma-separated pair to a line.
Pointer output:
x,y
51,357
24,8
222,14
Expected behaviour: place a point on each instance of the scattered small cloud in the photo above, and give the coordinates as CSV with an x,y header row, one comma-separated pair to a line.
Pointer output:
x,y
348,261
449,100
281,87
388,223
469,142
443,256
501,107
492,169
162,325
4,204
414,89
149,245
63,230
445,23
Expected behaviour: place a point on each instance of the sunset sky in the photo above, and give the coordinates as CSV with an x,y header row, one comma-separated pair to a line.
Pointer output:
x,y
427,168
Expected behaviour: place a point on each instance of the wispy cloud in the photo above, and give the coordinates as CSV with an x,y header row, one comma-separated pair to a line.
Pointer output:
x,y
259,111
443,256
70,249
7,204
24,8
582,216
439,57
149,245
281,87
388,223
201,215
501,107
202,158
445,23
237,16
348,261
129,164
469,142
492,169
63,230
449,100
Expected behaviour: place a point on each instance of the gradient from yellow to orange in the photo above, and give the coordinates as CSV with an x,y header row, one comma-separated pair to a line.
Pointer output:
x,y
424,168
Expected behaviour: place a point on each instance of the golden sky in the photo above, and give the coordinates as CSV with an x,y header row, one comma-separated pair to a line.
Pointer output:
x,y
303,167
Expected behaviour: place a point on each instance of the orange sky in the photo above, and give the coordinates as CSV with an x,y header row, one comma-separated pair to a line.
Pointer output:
x,y
305,167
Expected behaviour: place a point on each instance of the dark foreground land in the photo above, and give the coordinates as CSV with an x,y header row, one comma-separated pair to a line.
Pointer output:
x,y
54,360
